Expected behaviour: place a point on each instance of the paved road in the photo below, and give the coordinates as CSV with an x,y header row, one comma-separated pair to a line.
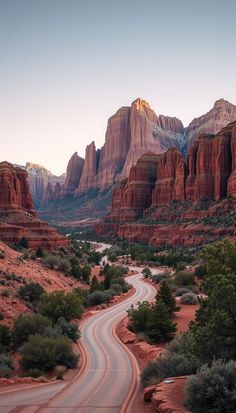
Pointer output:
x,y
110,377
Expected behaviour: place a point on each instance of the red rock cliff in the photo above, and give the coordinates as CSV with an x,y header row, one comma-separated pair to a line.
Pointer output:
x,y
17,216
209,175
73,174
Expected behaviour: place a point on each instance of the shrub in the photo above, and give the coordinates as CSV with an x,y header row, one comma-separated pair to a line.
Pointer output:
x,y
51,261
2,254
68,329
181,266
171,365
45,353
5,335
116,288
82,294
200,271
182,344
64,265
98,297
5,366
212,389
5,372
35,373
23,243
1,316
6,293
31,292
189,298
146,272
60,304
181,291
60,371
28,324
183,278
158,278
40,252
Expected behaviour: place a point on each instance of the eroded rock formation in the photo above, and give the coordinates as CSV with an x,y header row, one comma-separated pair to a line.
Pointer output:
x,y
174,196
73,174
222,113
38,178
17,215
135,130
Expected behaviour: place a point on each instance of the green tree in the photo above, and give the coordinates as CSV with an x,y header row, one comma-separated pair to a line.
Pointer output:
x,y
5,335
44,353
146,272
95,285
23,243
31,292
220,258
139,316
85,273
160,326
95,257
215,326
26,325
68,329
60,304
166,296
40,252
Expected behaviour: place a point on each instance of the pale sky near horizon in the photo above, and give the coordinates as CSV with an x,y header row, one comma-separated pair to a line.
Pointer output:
x,y
66,66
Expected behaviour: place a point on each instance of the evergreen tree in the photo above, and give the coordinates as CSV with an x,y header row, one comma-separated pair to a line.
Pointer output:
x,y
165,295
159,325
95,285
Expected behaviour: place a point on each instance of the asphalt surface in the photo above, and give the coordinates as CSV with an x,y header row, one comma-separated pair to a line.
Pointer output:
x,y
110,378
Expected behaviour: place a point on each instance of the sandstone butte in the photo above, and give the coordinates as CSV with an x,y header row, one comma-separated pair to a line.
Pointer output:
x,y
131,132
17,215
170,201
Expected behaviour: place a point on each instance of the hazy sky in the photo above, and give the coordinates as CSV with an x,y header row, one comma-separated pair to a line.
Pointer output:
x,y
68,65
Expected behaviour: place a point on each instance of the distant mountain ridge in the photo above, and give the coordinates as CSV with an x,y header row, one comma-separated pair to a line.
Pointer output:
x,y
39,177
131,132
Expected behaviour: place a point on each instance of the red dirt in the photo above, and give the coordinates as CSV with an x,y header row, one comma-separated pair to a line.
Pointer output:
x,y
30,270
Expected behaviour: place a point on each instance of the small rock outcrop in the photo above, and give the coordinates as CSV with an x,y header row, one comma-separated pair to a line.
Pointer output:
x,y
17,215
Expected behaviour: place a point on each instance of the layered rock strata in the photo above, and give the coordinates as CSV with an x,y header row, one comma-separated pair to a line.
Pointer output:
x,y
167,190
133,131
17,215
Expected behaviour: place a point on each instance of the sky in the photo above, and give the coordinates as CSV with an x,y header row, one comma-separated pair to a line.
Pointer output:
x,y
66,66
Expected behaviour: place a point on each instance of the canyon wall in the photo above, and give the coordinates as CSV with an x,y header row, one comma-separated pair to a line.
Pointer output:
x,y
168,188
17,215
133,131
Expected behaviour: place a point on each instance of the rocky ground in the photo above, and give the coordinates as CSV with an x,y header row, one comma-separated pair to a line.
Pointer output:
x,y
14,270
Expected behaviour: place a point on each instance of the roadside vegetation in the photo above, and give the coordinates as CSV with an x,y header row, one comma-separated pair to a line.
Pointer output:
x,y
207,351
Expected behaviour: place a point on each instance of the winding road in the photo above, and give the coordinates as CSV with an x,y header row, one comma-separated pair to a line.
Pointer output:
x,y
109,376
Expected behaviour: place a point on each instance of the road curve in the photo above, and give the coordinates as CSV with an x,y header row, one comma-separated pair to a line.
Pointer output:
x,y
110,378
